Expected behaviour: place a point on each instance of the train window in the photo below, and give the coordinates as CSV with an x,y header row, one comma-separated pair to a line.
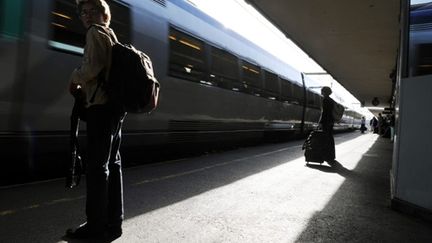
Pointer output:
x,y
68,33
121,21
316,100
298,93
319,99
11,18
422,64
187,56
252,74
252,79
286,90
420,43
310,98
224,68
271,85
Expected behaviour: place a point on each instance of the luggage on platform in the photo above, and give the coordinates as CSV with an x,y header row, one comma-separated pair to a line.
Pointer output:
x,y
316,147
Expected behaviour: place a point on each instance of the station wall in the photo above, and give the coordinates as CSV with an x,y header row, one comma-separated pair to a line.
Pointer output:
x,y
411,174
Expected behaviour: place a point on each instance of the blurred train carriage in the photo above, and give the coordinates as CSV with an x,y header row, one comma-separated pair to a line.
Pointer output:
x,y
216,85
420,39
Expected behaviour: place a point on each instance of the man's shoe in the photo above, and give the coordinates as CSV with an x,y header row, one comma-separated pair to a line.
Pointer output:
x,y
84,231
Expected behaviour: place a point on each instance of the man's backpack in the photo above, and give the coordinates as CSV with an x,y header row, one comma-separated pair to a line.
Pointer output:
x,y
338,111
131,85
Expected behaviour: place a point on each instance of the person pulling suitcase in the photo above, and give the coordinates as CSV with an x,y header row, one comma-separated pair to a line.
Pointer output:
x,y
320,146
327,122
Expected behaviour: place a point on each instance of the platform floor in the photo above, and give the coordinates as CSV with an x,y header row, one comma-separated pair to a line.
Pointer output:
x,y
255,194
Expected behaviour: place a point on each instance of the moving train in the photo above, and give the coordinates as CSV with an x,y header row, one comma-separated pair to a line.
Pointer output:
x,y
216,86
420,44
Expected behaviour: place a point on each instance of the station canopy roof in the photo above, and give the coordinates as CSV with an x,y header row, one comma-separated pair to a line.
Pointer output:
x,y
356,42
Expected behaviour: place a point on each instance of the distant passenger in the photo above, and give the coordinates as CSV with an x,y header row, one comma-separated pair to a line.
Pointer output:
x,y
392,127
327,122
104,201
363,125
374,125
381,124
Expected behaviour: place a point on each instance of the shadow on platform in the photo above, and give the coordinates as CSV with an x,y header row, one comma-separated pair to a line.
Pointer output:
x,y
332,167
144,197
360,210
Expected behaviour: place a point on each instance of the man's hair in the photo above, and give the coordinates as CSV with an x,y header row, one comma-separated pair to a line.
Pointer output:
x,y
102,5
326,90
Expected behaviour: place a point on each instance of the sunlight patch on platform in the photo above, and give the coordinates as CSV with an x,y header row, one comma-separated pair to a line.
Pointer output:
x,y
274,205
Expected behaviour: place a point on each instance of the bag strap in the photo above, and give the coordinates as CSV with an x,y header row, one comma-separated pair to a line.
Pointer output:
x,y
98,84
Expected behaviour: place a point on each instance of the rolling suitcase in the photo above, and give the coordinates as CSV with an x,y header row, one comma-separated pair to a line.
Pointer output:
x,y
316,147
